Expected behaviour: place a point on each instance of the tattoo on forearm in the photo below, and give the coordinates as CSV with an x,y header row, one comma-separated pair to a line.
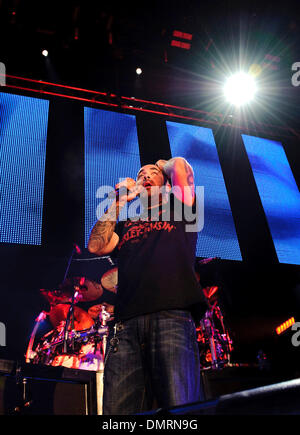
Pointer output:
x,y
104,228
189,172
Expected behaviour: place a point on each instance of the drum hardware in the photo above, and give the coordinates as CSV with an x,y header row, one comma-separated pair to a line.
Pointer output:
x,y
59,313
104,257
70,320
100,331
73,318
209,335
78,338
82,344
75,250
77,286
104,317
74,327
215,344
30,354
81,337
23,399
95,311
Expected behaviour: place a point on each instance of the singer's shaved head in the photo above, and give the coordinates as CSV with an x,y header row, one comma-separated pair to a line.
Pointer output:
x,y
153,172
150,166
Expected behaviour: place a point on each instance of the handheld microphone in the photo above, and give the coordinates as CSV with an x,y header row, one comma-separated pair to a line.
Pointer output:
x,y
117,193
121,192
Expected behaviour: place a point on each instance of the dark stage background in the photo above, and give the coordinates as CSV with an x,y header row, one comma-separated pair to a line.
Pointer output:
x,y
256,294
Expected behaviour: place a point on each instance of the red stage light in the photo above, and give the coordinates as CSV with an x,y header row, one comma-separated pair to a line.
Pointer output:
x,y
181,35
179,44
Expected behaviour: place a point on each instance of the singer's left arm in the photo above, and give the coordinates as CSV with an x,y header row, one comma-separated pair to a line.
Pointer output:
x,y
181,174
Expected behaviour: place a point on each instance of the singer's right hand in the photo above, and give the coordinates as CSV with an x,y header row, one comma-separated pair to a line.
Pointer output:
x,y
133,190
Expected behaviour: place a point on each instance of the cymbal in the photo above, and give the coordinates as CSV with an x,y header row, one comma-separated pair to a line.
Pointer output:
x,y
55,297
88,290
59,313
110,280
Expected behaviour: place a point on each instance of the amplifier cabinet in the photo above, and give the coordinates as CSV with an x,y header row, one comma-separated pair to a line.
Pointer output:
x,y
45,390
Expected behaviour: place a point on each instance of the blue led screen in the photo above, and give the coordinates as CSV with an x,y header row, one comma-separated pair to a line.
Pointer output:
x,y
279,195
197,145
111,153
23,137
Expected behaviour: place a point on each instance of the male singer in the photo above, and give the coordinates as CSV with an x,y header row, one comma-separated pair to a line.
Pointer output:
x,y
152,356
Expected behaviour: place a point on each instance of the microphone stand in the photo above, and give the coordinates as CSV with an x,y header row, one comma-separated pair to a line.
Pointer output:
x,y
69,320
71,310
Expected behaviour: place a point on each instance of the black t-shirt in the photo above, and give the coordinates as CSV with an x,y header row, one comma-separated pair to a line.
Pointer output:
x,y
156,264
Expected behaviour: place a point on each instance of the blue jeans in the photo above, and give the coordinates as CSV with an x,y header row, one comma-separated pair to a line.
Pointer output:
x,y
153,362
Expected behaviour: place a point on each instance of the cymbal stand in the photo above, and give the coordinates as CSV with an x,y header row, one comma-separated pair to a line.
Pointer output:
x,y
29,354
70,321
228,340
23,397
209,331
71,310
104,317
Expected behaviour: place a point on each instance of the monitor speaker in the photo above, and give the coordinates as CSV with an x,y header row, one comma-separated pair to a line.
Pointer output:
x,y
229,380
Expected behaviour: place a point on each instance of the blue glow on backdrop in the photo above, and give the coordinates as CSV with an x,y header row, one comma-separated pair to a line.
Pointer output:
x,y
218,237
111,152
23,137
279,195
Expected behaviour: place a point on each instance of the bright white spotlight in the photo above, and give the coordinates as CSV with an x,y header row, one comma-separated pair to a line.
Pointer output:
x,y
139,71
240,89
45,53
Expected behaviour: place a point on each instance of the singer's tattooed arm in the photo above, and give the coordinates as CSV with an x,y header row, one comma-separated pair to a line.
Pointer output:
x,y
181,174
103,239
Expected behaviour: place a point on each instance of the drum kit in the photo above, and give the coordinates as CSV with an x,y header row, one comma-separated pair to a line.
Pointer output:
x,y
215,344
78,336
214,341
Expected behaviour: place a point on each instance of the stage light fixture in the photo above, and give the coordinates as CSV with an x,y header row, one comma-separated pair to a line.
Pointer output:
x,y
285,325
45,53
139,71
240,88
